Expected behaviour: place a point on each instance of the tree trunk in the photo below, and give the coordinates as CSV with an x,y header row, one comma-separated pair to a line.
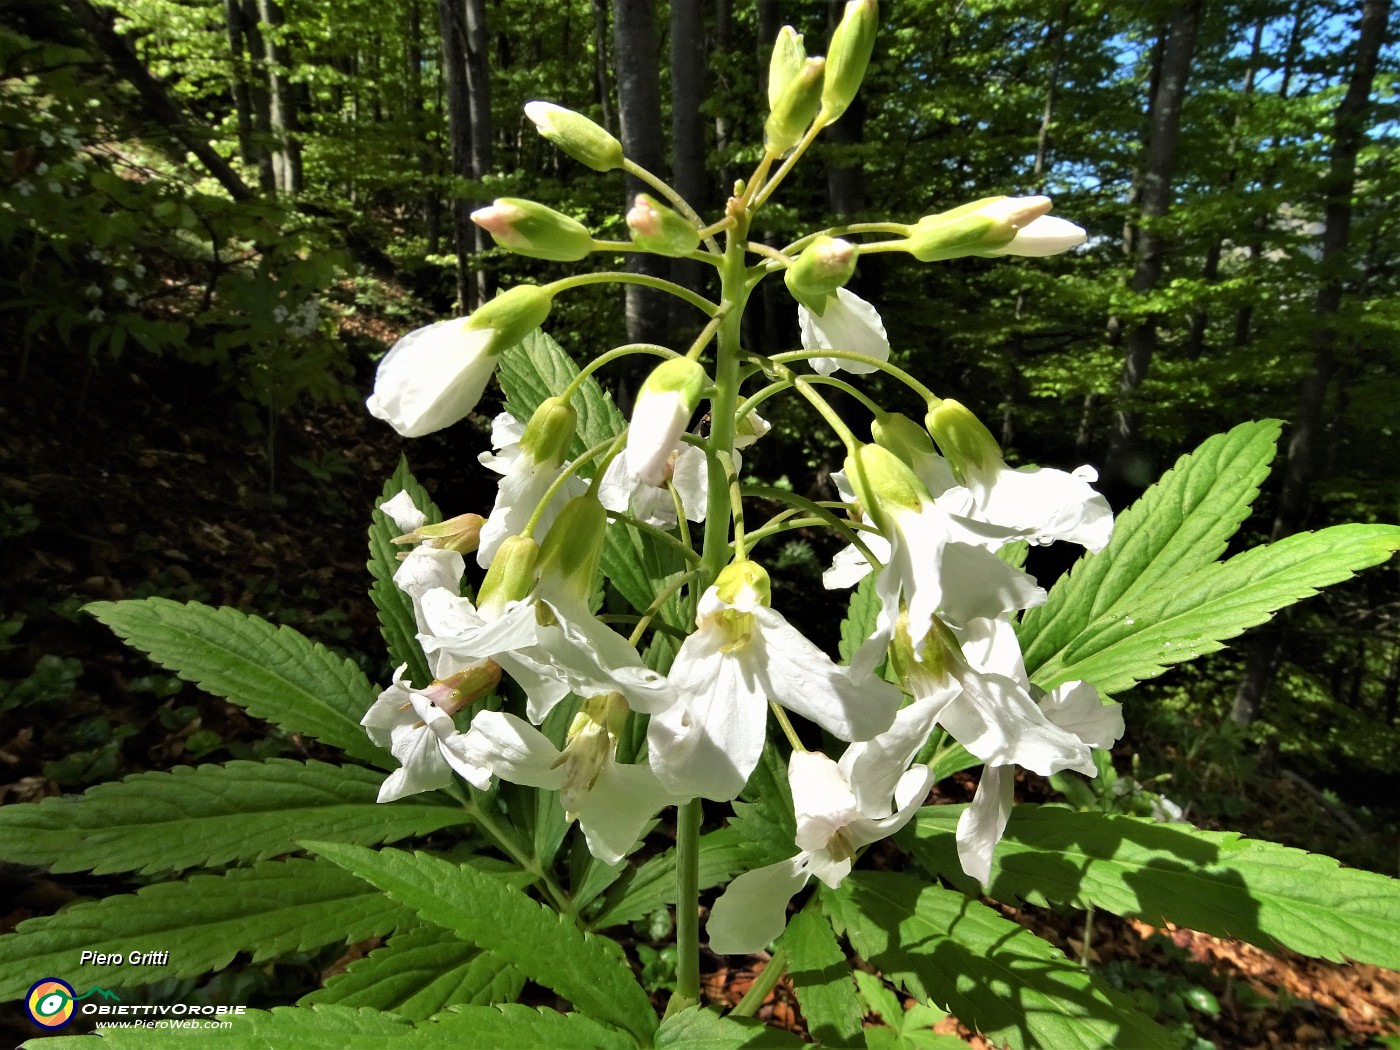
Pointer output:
x,y
417,125
1159,165
258,96
845,181
639,114
239,82
282,108
688,174
453,32
602,86
724,41
482,132
1303,465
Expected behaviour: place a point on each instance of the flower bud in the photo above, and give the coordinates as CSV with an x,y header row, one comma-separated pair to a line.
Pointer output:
x,y
848,56
664,406
824,266
572,547
792,114
465,687
902,436
884,483
1046,235
966,442
749,428
532,229
656,228
511,316
461,534
550,430
511,576
789,56
984,227
576,135
744,584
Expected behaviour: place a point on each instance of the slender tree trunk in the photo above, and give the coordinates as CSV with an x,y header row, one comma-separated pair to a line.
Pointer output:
x,y
259,97
688,173
479,113
1303,466
417,125
453,32
639,113
724,41
1159,166
282,109
242,98
602,85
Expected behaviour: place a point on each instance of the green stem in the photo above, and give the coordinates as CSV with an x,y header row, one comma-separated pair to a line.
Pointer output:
x,y
688,818
658,534
763,985
844,231
930,398
505,843
582,280
793,157
654,349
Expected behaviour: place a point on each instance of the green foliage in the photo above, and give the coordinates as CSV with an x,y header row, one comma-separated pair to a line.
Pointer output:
x,y
213,815
273,672
544,946
701,1029
1215,882
821,977
267,910
998,978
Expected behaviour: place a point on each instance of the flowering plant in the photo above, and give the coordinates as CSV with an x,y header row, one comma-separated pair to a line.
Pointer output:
x,y
618,670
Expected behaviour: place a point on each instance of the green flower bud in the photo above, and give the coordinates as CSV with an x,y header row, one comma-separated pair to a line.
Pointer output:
x,y
792,114
966,442
576,135
532,229
789,56
884,483
461,534
570,552
511,316
824,266
848,56
549,432
511,576
656,228
741,582
902,436
982,226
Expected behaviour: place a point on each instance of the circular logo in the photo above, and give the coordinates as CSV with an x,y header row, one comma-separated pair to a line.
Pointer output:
x,y
50,1002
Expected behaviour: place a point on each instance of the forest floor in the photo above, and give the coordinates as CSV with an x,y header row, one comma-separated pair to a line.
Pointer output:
x,y
116,485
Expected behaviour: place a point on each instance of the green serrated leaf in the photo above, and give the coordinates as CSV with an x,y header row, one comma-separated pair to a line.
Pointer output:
x,y
273,672
268,910
859,623
199,817
394,608
1212,881
701,1029
421,972
1180,524
821,976
587,970
330,1027
1142,636
996,976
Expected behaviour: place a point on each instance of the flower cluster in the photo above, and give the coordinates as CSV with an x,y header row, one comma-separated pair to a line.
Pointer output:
x,y
931,508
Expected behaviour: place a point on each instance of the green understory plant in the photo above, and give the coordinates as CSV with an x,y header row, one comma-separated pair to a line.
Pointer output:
x,y
565,760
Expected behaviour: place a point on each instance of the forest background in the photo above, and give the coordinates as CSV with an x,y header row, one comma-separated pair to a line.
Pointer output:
x,y
215,215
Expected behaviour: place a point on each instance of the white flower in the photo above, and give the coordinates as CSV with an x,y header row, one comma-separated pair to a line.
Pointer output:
x,y
425,568
611,802
1046,235
664,406
433,377
523,485
688,471
848,323
840,808
1037,504
422,736
743,656
1074,710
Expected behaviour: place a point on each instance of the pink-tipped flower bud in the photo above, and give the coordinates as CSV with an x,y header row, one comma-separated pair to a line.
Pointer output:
x,y
824,266
656,228
532,229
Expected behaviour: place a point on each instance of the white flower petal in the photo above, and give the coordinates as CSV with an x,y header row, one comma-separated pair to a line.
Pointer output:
x,y
514,750
1044,505
981,825
752,911
1077,708
432,377
615,813
654,433
849,323
822,800
1046,235
998,722
404,512
849,566
875,767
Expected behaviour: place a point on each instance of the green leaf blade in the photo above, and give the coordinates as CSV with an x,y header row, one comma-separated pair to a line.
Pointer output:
x,y
996,976
209,815
1215,882
269,910
273,672
586,970
821,976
